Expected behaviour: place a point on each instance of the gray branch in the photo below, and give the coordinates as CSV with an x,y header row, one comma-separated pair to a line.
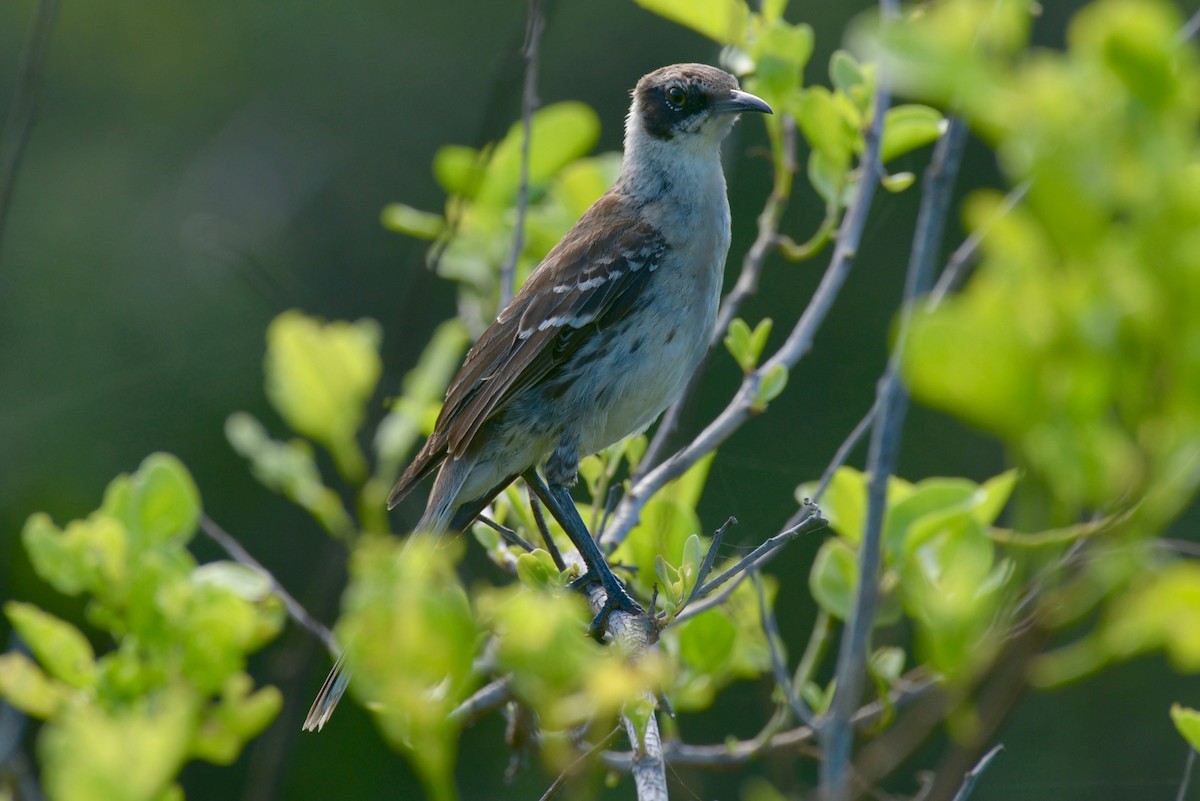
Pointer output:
x,y
24,100
892,402
533,38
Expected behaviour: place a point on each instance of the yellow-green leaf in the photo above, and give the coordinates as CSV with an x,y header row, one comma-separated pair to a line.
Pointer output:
x,y
723,21
61,648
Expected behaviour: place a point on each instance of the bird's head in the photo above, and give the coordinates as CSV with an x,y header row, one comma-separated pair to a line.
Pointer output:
x,y
690,104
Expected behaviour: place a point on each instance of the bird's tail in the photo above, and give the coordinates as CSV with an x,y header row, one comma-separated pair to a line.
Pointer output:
x,y
443,498
327,699
440,516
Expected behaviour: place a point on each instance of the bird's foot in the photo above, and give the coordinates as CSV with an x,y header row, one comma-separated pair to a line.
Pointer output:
x,y
616,599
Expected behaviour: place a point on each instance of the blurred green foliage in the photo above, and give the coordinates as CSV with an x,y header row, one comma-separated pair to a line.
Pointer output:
x,y
121,725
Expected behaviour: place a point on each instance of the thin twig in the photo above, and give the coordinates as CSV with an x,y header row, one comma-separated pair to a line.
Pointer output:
x,y
294,609
539,519
730,755
533,38
584,758
964,254
813,522
1189,29
510,536
487,698
964,792
771,629
1191,757
707,565
24,100
747,285
836,731
843,451
798,343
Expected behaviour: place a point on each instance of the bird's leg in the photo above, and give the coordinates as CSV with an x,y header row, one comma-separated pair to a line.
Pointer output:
x,y
557,498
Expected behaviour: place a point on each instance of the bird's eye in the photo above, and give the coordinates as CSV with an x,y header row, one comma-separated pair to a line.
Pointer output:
x,y
676,96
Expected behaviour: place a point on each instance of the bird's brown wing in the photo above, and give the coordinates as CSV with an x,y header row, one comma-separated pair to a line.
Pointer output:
x,y
588,282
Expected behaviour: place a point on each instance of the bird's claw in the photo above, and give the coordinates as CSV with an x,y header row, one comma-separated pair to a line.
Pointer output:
x,y
616,599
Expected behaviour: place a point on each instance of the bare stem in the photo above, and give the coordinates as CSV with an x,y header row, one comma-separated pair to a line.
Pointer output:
x,y
771,629
730,755
582,761
24,100
964,792
533,38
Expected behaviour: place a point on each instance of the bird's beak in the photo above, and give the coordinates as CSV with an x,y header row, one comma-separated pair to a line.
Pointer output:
x,y
739,101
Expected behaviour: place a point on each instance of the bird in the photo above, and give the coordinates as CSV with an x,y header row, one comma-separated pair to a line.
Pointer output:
x,y
602,337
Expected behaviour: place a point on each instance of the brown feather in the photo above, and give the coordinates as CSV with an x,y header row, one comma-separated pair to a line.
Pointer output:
x,y
586,283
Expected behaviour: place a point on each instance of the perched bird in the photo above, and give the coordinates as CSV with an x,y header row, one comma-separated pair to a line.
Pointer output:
x,y
605,333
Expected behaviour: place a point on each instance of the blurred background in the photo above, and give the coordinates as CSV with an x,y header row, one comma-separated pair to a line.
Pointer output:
x,y
197,168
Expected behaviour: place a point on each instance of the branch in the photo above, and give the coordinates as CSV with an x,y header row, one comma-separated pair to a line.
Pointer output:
x,y
647,762
295,611
771,629
486,699
730,755
964,792
747,285
798,343
574,767
533,38
21,110
964,254
892,402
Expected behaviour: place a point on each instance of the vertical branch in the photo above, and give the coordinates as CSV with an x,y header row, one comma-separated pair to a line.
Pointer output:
x,y
892,405
649,767
21,112
533,38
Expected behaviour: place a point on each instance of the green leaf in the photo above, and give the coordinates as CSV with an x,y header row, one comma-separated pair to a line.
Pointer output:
x,y
779,54
825,127
537,570
60,647
128,754
25,686
706,641
404,219
772,384
238,717
844,503
559,134
319,375
908,127
458,169
887,663
897,182
829,178
737,341
1187,721
833,580
164,503
930,496
723,21
845,72
246,582
993,496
